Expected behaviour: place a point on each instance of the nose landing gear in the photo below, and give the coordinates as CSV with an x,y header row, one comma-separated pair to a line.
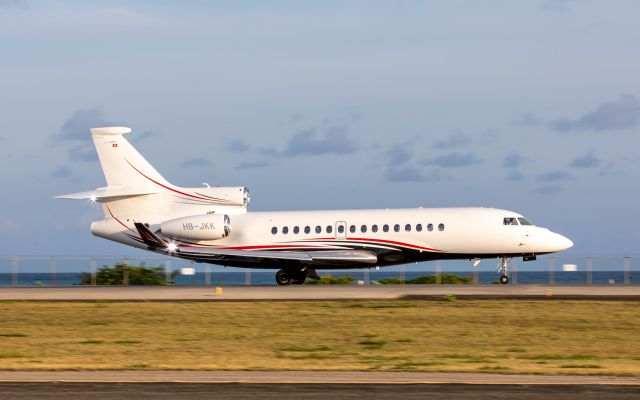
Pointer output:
x,y
503,269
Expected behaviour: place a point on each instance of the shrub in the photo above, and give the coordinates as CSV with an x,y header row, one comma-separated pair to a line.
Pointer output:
x,y
331,280
137,275
430,279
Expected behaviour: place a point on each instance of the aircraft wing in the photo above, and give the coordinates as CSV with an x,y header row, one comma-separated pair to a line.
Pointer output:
x,y
342,256
204,254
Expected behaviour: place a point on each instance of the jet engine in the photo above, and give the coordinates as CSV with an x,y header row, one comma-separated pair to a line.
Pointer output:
x,y
197,227
228,196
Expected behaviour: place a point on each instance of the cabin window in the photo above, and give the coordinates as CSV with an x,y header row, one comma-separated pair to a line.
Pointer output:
x,y
407,228
430,227
318,229
441,227
363,228
274,230
385,228
374,228
329,229
352,229
307,230
524,221
296,230
419,227
340,228
510,221
396,228
285,230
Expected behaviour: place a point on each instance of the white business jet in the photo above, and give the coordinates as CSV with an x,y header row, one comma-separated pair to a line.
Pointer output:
x,y
212,225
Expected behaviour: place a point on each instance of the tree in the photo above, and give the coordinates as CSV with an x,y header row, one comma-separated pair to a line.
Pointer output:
x,y
135,274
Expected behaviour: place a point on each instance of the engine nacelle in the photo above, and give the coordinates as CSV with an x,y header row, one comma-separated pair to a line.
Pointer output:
x,y
228,196
197,227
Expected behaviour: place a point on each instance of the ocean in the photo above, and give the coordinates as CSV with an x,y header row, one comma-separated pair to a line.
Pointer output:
x,y
266,277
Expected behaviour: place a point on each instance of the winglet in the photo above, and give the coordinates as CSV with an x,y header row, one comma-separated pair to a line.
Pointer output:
x,y
150,238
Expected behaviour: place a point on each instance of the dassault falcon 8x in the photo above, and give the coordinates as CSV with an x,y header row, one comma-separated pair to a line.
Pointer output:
x,y
212,225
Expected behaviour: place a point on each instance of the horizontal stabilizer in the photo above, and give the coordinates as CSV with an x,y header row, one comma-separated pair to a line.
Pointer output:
x,y
109,193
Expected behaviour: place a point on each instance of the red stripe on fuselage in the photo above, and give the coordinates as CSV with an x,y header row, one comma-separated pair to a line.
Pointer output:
x,y
116,218
394,242
266,247
376,240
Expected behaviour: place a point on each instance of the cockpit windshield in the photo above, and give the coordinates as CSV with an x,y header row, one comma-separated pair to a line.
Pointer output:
x,y
524,221
510,221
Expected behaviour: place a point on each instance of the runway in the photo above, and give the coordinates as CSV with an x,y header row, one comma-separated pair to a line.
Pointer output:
x,y
277,391
311,293
306,385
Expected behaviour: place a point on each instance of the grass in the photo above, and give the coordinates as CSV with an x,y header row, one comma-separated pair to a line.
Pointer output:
x,y
551,337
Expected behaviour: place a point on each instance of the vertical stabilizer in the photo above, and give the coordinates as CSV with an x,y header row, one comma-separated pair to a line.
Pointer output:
x,y
121,163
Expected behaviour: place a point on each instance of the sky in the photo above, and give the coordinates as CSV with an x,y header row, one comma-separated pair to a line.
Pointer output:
x,y
531,106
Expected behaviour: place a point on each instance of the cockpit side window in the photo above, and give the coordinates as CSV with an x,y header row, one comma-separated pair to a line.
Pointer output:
x,y
523,221
510,221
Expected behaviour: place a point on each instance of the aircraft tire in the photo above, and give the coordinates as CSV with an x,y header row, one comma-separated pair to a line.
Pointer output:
x,y
504,279
283,278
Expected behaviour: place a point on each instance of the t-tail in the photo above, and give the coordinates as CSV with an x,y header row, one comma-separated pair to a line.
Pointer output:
x,y
136,191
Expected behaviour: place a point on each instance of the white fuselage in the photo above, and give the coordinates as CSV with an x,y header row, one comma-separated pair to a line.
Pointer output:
x,y
395,235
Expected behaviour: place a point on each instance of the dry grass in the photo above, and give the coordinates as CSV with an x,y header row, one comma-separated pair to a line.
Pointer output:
x,y
566,337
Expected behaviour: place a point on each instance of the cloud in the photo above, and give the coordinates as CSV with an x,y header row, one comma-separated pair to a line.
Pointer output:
x,y
555,176
238,146
453,160
512,160
22,5
252,164
398,154
515,175
409,173
527,119
61,172
334,141
555,6
196,162
135,137
83,152
453,141
268,151
548,189
76,127
588,160
623,113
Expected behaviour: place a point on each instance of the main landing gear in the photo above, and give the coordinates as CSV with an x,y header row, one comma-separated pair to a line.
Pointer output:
x,y
294,276
502,268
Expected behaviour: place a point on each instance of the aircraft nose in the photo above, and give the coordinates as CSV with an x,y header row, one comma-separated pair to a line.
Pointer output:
x,y
560,242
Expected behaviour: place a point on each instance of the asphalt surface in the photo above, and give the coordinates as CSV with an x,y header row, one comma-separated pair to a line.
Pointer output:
x,y
329,292
311,377
195,391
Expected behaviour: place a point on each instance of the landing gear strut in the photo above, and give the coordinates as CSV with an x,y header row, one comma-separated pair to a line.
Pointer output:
x,y
502,268
292,276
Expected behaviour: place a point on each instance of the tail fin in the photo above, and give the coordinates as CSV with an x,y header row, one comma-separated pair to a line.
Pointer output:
x,y
122,165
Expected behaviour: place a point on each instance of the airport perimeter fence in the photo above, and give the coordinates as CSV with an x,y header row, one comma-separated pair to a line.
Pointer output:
x,y
71,271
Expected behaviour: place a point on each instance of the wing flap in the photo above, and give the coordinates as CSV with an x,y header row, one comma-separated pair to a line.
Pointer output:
x,y
328,256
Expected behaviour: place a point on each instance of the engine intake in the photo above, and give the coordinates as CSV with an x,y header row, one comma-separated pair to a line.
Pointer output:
x,y
198,227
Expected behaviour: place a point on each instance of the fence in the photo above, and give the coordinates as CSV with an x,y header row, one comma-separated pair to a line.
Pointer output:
x,y
66,271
